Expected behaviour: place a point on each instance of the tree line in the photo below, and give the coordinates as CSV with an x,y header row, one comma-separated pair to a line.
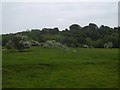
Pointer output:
x,y
75,36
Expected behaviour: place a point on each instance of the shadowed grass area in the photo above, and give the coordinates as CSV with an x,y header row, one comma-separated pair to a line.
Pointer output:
x,y
61,68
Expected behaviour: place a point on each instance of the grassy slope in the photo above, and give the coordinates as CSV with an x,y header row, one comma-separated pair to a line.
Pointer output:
x,y
59,68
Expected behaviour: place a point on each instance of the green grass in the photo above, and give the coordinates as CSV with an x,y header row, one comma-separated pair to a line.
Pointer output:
x,y
60,68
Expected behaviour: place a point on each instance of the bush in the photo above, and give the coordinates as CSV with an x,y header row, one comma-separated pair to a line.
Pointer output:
x,y
108,45
26,45
91,46
9,45
18,42
52,43
35,43
46,45
85,46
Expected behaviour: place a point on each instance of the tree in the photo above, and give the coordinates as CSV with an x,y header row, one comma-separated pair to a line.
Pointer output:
x,y
99,43
89,42
18,42
75,36
74,27
93,26
70,42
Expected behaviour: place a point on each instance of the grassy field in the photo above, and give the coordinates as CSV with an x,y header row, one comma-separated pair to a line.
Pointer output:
x,y
60,68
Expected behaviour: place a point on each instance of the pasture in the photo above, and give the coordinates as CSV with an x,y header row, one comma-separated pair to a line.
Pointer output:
x,y
60,68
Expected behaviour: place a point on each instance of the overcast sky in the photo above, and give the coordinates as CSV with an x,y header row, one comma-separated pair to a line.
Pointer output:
x,y
20,16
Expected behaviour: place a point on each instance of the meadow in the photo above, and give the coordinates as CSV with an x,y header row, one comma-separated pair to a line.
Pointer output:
x,y
60,68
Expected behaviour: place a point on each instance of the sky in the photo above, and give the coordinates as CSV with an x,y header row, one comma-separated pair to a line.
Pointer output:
x,y
21,16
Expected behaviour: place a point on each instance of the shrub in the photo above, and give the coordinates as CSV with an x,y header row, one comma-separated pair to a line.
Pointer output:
x,y
26,45
51,43
18,42
46,45
9,45
85,46
91,46
108,45
74,51
35,43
